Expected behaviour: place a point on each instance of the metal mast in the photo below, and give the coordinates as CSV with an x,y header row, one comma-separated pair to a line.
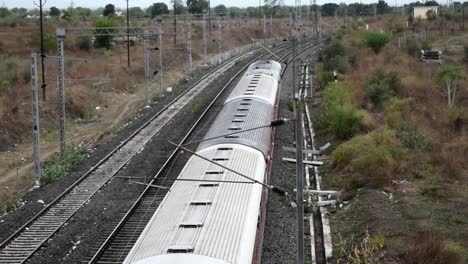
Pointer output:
x,y
60,33
35,110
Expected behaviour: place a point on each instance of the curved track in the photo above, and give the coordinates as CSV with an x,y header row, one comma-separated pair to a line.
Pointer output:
x,y
122,238
21,245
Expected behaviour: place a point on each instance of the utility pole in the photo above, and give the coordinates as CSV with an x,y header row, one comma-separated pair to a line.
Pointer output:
x,y
299,162
35,110
209,17
60,34
205,57
128,37
146,38
189,49
44,84
220,37
175,24
259,12
160,49
264,25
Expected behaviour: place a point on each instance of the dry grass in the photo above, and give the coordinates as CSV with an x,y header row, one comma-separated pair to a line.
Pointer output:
x,y
430,249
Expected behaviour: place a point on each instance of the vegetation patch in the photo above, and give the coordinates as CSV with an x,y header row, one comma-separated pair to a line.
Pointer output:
x,y
342,116
382,86
60,165
369,160
375,40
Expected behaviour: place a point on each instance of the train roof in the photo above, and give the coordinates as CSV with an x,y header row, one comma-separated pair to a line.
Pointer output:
x,y
258,86
239,115
209,218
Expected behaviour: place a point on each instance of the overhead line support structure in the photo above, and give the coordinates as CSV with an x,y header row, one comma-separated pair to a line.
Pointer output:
x,y
35,132
61,34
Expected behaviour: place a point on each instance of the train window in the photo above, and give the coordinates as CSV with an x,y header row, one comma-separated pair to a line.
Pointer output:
x,y
180,250
220,159
224,148
214,172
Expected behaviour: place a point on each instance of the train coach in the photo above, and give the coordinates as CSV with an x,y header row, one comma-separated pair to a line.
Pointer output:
x,y
211,215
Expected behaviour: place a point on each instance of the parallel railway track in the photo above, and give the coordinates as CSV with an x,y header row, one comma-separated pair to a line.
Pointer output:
x,y
22,244
119,242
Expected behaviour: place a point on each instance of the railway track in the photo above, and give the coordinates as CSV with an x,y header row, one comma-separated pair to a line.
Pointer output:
x,y
119,242
22,244
317,221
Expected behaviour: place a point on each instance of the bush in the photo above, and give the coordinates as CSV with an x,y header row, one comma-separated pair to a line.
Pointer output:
x,y
375,40
104,41
430,248
371,159
412,46
50,42
1,46
382,86
84,43
342,116
345,121
58,166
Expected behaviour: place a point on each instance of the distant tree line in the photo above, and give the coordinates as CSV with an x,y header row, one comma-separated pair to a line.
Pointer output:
x,y
269,7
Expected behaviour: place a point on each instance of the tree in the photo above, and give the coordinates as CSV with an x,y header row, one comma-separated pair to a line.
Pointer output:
x,y
104,41
273,5
109,10
376,40
431,3
220,10
450,76
83,12
179,7
158,9
136,12
4,12
382,7
329,9
197,6
54,11
21,12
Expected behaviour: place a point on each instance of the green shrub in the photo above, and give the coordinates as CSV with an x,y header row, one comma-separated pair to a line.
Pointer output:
x,y
58,165
342,117
50,42
104,41
382,86
413,46
371,159
345,121
375,40
457,248
1,46
83,43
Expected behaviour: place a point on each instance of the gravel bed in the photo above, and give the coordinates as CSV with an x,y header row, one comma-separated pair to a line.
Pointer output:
x,y
279,243
77,240
10,222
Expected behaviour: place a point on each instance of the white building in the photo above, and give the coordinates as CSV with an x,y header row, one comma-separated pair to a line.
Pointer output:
x,y
421,11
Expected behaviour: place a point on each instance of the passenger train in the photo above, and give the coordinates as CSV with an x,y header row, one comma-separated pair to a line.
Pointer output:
x,y
214,217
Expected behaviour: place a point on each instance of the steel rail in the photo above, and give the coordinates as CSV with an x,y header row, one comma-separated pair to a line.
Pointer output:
x,y
140,199
21,255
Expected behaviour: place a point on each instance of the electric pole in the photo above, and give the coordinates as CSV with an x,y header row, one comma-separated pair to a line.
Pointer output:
x,y
60,34
175,24
128,37
41,25
36,134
